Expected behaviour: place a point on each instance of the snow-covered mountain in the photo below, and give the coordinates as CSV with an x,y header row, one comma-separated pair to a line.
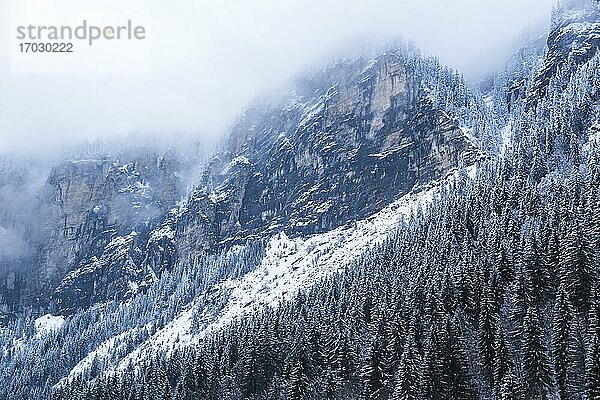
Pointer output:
x,y
344,144
287,267
383,230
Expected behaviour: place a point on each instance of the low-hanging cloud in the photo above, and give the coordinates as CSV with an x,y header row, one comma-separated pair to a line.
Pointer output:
x,y
207,59
12,245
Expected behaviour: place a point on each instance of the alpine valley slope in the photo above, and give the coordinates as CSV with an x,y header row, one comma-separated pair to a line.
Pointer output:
x,y
346,144
383,231
288,267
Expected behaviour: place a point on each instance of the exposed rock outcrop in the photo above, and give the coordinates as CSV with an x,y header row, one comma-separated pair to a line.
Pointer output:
x,y
310,164
344,144
573,40
106,212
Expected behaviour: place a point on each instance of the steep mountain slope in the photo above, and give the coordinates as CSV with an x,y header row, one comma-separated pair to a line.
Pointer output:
x,y
105,210
345,143
312,163
288,267
76,216
573,40
360,137
491,293
337,248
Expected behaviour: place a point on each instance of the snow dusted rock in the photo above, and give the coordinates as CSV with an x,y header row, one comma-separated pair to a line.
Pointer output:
x,y
344,144
108,276
161,253
360,136
289,266
102,214
573,40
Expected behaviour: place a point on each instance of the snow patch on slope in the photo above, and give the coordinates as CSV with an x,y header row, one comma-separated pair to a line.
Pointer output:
x,y
289,266
507,133
48,323
105,354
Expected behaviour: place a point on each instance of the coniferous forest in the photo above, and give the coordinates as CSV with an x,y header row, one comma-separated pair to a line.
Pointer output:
x,y
494,294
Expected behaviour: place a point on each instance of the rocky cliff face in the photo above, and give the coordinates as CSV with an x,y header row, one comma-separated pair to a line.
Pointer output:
x,y
342,148
573,40
81,235
107,212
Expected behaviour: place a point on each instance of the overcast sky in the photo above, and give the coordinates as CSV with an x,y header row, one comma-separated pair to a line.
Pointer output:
x,y
202,61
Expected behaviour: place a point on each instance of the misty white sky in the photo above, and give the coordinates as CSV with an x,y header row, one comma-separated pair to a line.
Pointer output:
x,y
204,60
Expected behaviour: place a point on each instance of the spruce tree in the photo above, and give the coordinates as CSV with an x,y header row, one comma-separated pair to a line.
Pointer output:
x,y
592,367
535,358
486,339
407,380
560,341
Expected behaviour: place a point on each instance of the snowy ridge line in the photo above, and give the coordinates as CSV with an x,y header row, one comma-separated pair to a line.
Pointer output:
x,y
289,266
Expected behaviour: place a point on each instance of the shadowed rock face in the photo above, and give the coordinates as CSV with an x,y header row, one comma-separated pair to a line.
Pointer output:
x,y
369,135
573,40
100,217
